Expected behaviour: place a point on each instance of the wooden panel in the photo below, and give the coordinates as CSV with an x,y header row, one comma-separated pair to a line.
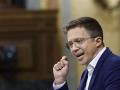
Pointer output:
x,y
23,21
3,1
35,35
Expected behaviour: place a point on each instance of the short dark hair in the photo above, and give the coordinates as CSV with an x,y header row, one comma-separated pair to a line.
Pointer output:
x,y
90,24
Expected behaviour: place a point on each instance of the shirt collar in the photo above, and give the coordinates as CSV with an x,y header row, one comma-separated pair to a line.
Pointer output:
x,y
93,63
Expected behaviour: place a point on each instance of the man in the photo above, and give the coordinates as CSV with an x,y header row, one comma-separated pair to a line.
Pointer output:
x,y
85,41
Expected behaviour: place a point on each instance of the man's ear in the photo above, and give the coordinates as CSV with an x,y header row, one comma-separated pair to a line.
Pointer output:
x,y
99,41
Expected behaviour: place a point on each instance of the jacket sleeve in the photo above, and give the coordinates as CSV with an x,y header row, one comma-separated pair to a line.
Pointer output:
x,y
65,87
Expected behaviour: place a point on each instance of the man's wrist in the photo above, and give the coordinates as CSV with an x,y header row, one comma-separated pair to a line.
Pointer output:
x,y
57,86
59,81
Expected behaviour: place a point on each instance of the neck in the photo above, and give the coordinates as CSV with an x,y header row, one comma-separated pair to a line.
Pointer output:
x,y
96,52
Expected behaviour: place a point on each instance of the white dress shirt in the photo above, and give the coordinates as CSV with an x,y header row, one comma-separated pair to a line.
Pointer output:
x,y
90,68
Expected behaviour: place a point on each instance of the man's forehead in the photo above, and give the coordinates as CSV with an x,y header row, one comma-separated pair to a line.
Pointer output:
x,y
77,32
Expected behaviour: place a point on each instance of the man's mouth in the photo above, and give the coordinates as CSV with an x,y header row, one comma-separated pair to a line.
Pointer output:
x,y
79,55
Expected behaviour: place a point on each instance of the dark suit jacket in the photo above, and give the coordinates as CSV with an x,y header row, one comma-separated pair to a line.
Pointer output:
x,y
106,75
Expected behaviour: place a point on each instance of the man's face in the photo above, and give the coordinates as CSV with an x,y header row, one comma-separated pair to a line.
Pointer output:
x,y
82,46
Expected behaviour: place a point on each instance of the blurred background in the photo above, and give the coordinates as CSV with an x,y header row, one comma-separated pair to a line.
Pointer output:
x,y
32,41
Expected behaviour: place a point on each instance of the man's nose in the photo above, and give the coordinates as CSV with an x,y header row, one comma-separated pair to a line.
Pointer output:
x,y
74,47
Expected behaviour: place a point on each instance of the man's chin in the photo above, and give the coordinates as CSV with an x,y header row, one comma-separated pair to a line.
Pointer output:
x,y
81,62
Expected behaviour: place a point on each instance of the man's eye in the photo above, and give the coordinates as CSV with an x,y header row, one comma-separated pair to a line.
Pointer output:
x,y
79,41
70,43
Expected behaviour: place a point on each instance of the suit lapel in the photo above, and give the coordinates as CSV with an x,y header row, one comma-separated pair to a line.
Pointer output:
x,y
98,67
83,80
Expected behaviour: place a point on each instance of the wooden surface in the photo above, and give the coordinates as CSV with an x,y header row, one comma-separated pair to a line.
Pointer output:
x,y
35,35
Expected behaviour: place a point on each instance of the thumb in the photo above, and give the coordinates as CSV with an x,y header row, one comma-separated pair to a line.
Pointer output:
x,y
64,60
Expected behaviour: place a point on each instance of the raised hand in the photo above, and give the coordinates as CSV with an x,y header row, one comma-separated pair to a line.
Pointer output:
x,y
60,70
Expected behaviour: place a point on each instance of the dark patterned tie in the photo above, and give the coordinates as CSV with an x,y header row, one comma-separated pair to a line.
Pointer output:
x,y
83,80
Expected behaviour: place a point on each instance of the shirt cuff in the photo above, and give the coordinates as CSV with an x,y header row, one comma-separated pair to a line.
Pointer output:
x,y
58,86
